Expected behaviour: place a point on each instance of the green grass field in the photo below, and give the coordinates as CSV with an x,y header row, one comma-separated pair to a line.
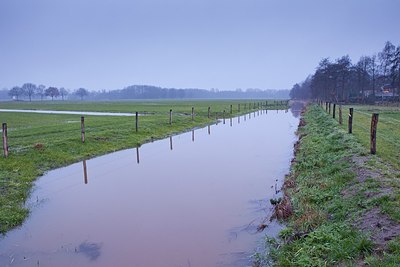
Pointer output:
x,y
388,131
41,142
330,194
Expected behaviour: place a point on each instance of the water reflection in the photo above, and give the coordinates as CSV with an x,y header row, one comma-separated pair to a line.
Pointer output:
x,y
85,176
205,202
230,122
296,107
90,250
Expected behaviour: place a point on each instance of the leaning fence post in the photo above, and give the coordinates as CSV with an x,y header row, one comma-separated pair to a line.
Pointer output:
x,y
83,129
170,116
340,114
350,120
374,123
5,144
334,110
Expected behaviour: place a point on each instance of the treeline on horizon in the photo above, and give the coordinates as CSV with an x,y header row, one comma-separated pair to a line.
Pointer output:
x,y
372,78
30,91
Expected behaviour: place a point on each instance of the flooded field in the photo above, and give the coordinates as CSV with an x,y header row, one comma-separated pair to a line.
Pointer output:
x,y
194,199
68,112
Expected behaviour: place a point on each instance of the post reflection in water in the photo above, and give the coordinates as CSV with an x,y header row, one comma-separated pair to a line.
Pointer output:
x,y
85,177
168,185
230,121
244,117
239,119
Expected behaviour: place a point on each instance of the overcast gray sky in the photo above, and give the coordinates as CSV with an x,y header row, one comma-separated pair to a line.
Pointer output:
x,y
224,44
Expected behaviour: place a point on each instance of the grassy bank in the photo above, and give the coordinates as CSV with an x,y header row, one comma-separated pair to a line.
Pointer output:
x,y
41,142
343,203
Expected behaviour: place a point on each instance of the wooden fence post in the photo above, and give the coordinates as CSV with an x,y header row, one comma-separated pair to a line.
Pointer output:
x,y
329,107
231,109
83,129
374,123
334,110
5,142
326,106
340,115
170,117
350,120
224,117
192,113
137,121
208,112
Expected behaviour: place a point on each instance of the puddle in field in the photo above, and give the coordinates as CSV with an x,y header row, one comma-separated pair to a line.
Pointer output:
x,y
194,199
68,112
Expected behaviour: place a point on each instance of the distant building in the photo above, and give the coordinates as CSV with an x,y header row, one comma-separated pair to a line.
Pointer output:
x,y
387,92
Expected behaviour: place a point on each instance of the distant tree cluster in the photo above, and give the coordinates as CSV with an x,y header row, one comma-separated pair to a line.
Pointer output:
x,y
31,90
372,78
153,92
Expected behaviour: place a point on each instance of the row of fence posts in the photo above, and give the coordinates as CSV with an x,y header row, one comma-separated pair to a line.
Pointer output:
x,y
374,121
255,105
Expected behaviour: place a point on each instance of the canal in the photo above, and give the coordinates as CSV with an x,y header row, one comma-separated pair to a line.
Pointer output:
x,y
194,199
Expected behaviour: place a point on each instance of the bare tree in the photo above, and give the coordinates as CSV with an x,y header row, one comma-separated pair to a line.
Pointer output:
x,y
386,59
16,91
29,89
53,92
81,92
40,91
63,92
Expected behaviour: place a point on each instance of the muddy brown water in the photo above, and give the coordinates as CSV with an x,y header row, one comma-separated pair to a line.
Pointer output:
x,y
194,199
